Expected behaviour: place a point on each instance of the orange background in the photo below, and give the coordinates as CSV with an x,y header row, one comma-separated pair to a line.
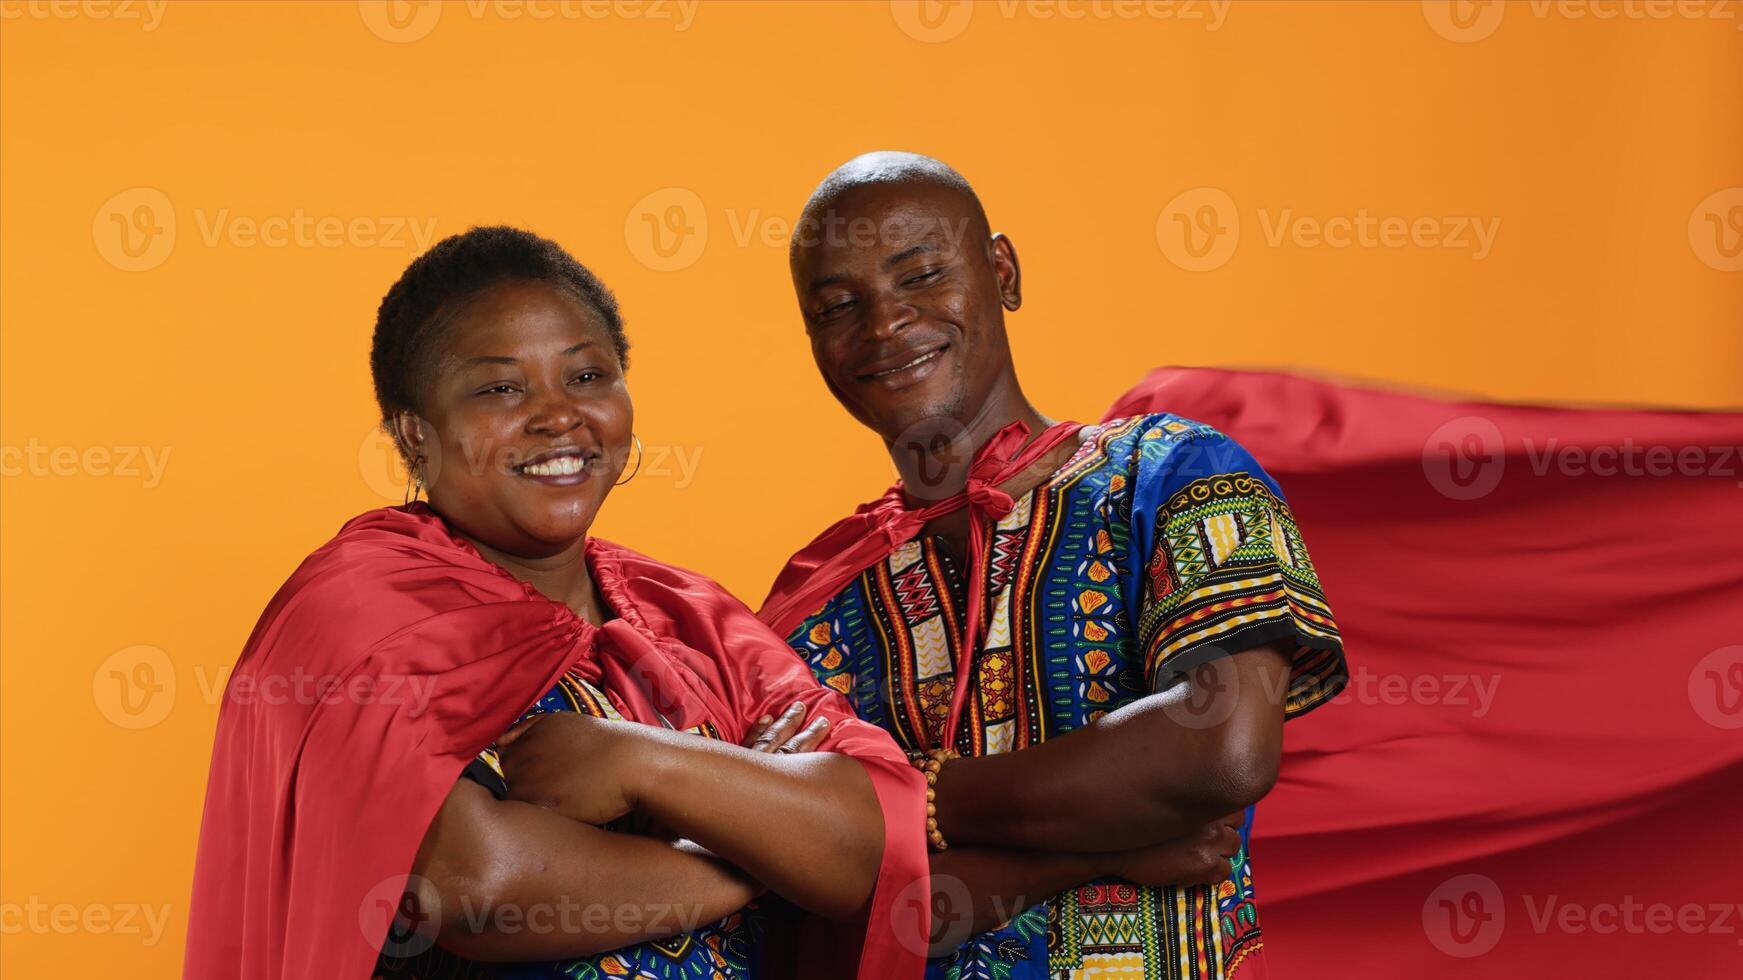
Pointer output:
x,y
1595,143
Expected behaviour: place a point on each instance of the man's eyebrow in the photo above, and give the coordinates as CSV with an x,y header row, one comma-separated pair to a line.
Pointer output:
x,y
894,260
909,252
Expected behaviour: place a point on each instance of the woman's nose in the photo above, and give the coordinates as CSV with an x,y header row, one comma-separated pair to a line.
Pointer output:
x,y
555,414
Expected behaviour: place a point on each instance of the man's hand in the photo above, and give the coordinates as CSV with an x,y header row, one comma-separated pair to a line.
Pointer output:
x,y
784,735
1199,858
583,767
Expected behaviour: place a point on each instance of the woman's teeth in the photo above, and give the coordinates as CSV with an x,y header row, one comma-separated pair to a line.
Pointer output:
x,y
922,359
561,466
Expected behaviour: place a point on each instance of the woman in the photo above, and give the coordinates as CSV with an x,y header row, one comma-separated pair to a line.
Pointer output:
x,y
370,820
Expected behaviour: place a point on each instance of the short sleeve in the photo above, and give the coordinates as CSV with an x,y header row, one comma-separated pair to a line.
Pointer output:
x,y
486,771
1224,564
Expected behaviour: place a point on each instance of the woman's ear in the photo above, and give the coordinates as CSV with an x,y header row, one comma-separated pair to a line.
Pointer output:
x,y
408,434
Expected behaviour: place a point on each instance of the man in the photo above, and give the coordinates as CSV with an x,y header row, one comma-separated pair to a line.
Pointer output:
x,y
1089,637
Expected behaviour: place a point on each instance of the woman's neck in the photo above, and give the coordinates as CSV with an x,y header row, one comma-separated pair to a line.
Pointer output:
x,y
563,577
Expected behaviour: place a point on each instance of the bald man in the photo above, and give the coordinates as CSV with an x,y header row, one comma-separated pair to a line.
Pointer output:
x,y
1089,637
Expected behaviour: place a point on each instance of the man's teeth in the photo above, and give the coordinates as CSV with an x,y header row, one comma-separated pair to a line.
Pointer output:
x,y
560,466
922,359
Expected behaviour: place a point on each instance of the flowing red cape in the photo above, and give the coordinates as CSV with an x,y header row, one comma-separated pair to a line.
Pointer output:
x,y
390,658
1537,767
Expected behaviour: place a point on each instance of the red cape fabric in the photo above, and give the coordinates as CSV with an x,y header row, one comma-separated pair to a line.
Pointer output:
x,y
875,529
1537,768
391,657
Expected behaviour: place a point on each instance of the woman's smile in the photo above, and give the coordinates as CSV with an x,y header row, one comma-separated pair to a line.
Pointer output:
x,y
566,467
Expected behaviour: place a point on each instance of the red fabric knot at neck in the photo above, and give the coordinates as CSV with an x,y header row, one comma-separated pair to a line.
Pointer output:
x,y
877,529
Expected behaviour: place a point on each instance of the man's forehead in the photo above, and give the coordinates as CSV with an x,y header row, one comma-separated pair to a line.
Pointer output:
x,y
885,226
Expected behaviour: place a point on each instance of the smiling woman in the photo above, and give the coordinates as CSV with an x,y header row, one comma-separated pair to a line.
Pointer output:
x,y
589,787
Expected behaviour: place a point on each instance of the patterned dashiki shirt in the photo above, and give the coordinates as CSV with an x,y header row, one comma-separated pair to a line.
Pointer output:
x,y
1160,545
726,950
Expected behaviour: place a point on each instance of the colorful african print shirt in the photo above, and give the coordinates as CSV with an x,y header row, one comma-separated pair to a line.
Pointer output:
x,y
725,950
1160,545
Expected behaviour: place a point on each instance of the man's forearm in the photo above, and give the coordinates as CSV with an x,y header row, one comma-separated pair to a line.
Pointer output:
x,y
1149,772
975,889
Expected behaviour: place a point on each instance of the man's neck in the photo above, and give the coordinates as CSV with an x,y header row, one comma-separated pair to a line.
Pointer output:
x,y
935,466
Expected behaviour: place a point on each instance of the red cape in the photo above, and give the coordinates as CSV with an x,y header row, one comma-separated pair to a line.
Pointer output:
x,y
1585,568
396,653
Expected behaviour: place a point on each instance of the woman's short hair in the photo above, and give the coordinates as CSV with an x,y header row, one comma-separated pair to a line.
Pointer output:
x,y
405,344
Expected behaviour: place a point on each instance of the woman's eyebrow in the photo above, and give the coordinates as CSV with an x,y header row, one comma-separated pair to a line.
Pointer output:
x,y
504,359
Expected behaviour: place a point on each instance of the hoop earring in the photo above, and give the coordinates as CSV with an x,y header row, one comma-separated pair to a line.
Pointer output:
x,y
639,453
416,483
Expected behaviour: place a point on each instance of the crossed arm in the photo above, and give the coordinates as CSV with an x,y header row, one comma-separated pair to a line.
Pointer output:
x,y
1184,764
542,854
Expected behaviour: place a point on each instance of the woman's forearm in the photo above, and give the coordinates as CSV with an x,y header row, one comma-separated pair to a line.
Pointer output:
x,y
507,881
808,825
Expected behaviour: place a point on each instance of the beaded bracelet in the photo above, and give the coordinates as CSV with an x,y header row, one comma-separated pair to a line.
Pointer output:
x,y
930,763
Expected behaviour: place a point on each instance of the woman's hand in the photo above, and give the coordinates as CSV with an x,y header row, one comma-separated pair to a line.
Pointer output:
x,y
585,768
784,735
1199,858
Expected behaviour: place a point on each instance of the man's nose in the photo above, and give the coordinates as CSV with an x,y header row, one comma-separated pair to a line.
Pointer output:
x,y
890,317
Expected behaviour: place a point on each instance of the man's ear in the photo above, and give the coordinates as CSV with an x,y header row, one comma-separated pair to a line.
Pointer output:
x,y
1008,272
